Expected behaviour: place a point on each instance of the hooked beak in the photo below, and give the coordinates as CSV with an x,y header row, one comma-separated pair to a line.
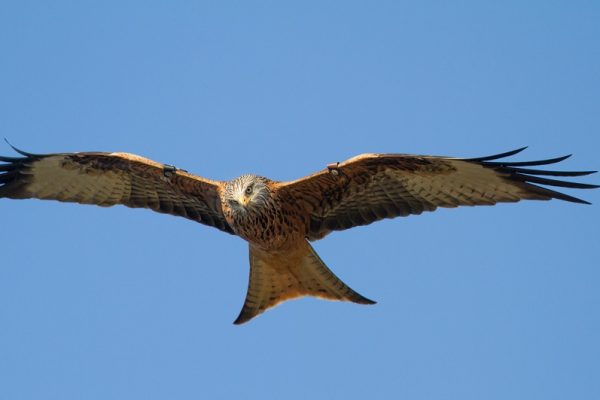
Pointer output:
x,y
240,202
244,200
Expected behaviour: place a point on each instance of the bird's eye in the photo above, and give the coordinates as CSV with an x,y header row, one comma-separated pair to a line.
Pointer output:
x,y
249,190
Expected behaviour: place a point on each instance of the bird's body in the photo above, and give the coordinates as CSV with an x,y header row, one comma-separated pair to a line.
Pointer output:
x,y
278,219
261,217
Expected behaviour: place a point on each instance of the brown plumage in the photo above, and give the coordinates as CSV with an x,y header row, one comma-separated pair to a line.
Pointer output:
x,y
278,218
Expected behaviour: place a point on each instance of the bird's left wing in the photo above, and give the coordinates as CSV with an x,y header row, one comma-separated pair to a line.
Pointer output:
x,y
371,187
107,179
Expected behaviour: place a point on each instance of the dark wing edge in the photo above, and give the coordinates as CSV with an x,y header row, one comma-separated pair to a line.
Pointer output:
x,y
531,177
176,192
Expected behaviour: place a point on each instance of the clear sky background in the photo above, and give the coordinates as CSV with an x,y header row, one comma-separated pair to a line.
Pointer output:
x,y
474,303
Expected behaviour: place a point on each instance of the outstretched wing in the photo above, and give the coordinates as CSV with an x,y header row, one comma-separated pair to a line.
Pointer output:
x,y
371,187
107,179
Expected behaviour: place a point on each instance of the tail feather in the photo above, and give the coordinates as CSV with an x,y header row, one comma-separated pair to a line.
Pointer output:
x,y
275,278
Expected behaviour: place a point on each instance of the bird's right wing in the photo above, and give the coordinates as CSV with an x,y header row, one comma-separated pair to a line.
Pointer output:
x,y
107,179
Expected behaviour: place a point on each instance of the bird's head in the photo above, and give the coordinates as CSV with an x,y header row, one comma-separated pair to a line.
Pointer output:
x,y
247,192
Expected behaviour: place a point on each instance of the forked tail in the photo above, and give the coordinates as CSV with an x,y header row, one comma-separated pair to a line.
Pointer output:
x,y
277,277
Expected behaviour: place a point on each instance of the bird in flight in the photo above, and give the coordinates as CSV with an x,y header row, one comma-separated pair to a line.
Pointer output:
x,y
279,219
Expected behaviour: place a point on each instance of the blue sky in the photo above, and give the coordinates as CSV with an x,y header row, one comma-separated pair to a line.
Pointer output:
x,y
473,303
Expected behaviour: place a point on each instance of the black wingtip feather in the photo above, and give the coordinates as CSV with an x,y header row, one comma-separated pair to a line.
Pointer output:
x,y
553,194
11,159
528,163
7,177
548,173
530,176
22,152
11,173
553,182
497,156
